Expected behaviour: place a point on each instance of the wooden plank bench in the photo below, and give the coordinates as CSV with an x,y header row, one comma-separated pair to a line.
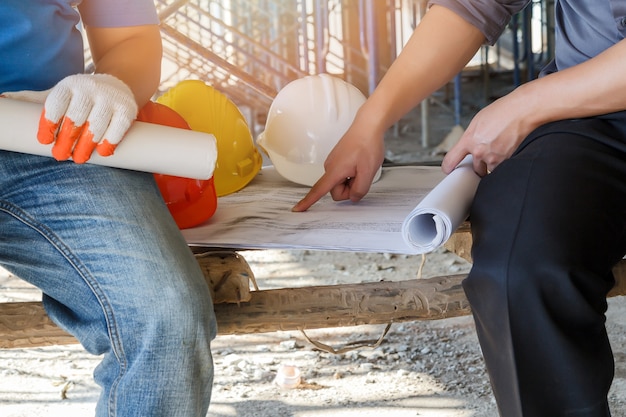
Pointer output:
x,y
241,311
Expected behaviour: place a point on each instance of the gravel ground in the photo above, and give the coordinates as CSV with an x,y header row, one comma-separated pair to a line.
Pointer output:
x,y
422,368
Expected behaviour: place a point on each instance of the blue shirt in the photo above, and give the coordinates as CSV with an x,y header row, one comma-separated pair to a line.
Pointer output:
x,y
583,28
40,42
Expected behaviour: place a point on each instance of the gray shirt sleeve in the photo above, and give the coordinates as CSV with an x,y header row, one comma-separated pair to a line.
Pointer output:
x,y
489,16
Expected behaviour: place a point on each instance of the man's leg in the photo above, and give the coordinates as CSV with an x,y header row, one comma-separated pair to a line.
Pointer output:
x,y
117,274
548,225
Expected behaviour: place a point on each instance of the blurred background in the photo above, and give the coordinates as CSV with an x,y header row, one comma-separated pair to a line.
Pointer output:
x,y
250,49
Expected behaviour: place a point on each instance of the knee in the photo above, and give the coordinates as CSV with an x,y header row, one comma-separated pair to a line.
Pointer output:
x,y
507,270
520,276
184,314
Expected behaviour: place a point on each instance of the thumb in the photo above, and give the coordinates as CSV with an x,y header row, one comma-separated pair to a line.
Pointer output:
x,y
28,95
453,158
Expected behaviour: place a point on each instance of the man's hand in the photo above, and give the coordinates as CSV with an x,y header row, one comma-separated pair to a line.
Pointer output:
x,y
349,168
494,134
83,113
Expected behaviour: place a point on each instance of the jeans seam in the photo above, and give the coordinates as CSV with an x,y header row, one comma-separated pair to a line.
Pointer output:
x,y
58,244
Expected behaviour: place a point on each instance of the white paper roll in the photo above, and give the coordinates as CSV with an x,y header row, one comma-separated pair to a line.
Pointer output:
x,y
443,209
146,147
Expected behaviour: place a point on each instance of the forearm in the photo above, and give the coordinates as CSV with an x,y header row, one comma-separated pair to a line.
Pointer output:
x,y
433,55
592,88
131,54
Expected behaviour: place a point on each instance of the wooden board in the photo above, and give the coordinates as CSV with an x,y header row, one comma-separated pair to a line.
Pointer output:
x,y
241,311
25,324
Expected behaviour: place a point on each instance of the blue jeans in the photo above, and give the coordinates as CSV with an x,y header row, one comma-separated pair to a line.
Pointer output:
x,y
117,274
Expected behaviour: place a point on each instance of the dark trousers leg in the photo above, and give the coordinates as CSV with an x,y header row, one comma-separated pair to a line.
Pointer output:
x,y
548,225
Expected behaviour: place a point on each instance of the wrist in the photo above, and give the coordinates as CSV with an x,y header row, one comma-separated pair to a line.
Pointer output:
x,y
530,105
369,120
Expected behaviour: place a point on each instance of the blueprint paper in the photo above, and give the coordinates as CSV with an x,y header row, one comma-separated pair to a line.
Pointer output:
x,y
260,217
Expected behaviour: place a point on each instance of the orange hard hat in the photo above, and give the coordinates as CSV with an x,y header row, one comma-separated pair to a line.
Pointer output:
x,y
190,201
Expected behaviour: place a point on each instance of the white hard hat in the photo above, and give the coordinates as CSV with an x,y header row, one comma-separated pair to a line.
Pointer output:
x,y
305,121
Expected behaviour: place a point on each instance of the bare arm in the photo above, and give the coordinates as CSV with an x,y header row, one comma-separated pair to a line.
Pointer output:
x,y
132,54
589,89
433,55
439,48
592,88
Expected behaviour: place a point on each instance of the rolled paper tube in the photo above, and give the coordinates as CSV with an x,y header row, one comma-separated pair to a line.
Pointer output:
x,y
146,147
442,210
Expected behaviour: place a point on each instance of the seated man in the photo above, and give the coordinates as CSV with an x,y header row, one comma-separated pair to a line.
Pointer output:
x,y
99,242
549,220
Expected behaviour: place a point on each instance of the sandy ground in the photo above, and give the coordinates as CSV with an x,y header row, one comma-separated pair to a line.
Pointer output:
x,y
421,368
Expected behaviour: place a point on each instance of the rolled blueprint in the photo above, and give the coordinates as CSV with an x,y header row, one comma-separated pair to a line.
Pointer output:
x,y
442,210
146,147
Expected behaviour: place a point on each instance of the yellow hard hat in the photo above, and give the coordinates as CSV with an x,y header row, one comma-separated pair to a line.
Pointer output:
x,y
208,110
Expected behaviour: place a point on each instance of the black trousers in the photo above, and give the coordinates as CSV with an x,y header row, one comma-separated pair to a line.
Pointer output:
x,y
548,225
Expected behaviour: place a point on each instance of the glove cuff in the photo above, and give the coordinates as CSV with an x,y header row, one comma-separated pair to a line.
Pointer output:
x,y
112,81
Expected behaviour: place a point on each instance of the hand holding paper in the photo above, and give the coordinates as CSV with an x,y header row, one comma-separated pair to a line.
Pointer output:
x,y
146,146
83,113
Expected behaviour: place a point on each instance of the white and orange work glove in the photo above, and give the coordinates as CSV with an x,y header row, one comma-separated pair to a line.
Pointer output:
x,y
83,113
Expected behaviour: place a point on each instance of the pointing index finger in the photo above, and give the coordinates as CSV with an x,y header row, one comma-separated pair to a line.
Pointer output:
x,y
319,190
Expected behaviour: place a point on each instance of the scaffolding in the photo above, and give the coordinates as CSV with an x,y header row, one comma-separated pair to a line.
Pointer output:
x,y
250,49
